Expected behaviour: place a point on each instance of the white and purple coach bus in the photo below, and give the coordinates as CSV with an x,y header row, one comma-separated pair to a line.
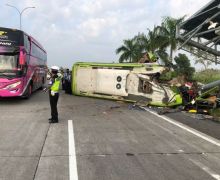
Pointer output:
x,y
23,63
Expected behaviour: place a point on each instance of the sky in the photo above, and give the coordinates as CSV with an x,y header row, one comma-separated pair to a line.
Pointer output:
x,y
89,30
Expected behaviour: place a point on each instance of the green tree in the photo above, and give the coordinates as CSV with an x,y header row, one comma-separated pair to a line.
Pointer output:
x,y
155,41
183,66
152,42
128,51
140,42
168,32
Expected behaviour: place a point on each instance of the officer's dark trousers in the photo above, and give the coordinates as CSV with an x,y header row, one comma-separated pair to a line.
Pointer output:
x,y
53,105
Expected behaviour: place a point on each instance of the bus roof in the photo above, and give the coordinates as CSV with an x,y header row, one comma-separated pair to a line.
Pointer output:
x,y
36,42
9,29
22,32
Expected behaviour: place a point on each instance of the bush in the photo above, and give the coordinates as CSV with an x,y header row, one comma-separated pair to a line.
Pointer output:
x,y
183,66
167,76
215,113
207,76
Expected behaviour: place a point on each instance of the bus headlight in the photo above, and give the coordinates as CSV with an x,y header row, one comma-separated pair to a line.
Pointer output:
x,y
12,86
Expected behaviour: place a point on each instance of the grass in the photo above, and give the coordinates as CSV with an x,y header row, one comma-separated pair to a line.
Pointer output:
x,y
207,76
204,76
216,114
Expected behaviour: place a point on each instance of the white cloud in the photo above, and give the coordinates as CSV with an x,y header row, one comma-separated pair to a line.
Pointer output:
x,y
92,7
185,7
94,27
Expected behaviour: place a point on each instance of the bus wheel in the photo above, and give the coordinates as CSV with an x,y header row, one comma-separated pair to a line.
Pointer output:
x,y
42,84
28,91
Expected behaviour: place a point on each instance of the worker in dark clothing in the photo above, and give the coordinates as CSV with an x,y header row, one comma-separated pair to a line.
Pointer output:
x,y
62,80
53,87
67,81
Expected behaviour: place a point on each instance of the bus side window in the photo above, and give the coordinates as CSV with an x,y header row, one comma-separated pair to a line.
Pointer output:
x,y
27,44
27,59
25,67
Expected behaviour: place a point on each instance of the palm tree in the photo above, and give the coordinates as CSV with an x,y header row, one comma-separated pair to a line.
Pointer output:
x,y
128,51
141,45
156,41
168,32
153,43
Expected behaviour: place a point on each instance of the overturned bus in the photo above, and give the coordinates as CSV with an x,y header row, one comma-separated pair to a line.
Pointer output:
x,y
123,81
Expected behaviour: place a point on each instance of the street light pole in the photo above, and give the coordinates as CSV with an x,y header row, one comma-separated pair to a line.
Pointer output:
x,y
20,12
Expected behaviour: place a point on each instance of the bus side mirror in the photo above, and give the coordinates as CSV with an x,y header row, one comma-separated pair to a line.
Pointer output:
x,y
22,58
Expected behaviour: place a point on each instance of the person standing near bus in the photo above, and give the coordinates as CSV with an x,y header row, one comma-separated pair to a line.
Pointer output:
x,y
67,81
53,87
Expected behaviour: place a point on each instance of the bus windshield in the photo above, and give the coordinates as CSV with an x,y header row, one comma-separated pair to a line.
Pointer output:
x,y
8,65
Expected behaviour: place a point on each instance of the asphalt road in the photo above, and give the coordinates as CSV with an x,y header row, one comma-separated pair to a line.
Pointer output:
x,y
111,142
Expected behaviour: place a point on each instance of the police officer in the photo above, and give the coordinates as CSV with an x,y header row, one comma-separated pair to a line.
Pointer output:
x,y
53,87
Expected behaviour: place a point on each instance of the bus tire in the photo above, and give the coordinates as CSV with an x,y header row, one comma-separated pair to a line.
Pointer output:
x,y
28,92
42,84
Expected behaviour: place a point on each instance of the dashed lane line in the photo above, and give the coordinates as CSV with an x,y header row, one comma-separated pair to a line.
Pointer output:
x,y
73,174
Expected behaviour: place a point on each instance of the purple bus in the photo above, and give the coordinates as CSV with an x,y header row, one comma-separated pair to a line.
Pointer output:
x,y
23,63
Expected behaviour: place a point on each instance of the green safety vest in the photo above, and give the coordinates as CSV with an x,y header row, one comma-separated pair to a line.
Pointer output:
x,y
56,85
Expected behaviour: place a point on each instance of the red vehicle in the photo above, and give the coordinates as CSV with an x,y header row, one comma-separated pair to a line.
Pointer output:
x,y
22,64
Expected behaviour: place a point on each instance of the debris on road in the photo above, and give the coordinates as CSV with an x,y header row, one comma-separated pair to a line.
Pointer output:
x,y
114,107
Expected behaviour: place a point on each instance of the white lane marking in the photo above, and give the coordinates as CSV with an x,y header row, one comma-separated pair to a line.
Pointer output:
x,y
206,169
73,174
193,131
